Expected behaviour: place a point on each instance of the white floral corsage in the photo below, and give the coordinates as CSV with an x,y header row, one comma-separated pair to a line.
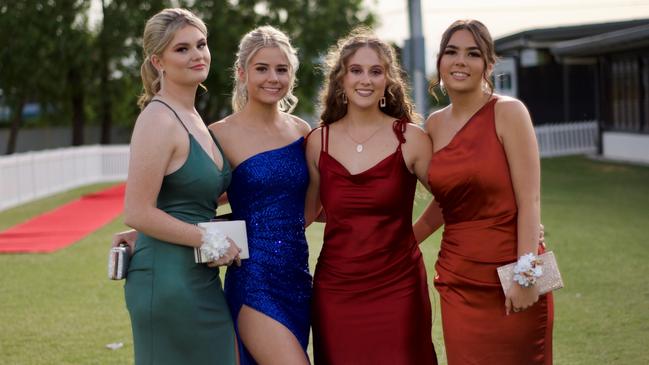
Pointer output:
x,y
215,244
527,270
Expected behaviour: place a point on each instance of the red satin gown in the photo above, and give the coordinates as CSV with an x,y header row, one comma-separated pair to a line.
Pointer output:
x,y
371,304
471,181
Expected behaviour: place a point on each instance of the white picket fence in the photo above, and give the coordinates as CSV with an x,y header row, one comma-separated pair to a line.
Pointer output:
x,y
32,175
567,138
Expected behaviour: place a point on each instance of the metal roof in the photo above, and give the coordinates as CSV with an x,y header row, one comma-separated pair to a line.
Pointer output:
x,y
617,41
549,37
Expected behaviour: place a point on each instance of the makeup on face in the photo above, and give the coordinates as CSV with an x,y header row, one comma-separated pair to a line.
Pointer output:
x,y
268,75
365,80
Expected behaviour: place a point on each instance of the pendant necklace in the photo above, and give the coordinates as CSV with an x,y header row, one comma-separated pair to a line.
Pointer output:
x,y
359,145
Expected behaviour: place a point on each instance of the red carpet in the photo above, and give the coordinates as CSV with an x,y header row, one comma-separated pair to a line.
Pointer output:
x,y
65,225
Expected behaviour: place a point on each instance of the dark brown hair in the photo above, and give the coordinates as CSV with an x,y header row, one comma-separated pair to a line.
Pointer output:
x,y
482,38
398,104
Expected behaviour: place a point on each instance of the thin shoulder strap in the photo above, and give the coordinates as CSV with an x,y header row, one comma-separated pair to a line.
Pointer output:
x,y
172,109
324,138
399,128
216,141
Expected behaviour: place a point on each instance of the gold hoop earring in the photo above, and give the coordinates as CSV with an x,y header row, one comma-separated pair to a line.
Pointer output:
x,y
382,102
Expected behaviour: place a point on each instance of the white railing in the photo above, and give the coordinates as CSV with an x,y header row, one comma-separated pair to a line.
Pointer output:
x,y
567,138
32,175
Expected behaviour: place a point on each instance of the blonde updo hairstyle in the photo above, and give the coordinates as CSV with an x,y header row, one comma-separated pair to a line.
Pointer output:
x,y
398,103
158,33
263,37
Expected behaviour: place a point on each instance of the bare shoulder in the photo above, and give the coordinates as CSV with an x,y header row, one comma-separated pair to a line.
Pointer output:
x,y
156,117
508,108
417,144
299,123
415,132
435,118
224,127
512,118
314,139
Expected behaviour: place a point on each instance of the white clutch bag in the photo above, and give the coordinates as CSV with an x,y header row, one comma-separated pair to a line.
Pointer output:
x,y
549,281
236,230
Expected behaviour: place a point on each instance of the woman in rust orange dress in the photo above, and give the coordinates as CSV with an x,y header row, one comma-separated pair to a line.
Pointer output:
x,y
485,177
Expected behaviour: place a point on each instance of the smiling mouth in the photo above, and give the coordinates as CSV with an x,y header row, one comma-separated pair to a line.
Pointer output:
x,y
364,92
458,74
272,89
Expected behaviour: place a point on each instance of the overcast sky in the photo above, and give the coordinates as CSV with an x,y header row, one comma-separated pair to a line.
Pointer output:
x,y
502,17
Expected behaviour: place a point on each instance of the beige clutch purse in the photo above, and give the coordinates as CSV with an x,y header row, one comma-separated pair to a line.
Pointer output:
x,y
549,281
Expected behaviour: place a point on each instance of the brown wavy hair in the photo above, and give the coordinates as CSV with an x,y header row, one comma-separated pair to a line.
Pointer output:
x,y
398,103
483,40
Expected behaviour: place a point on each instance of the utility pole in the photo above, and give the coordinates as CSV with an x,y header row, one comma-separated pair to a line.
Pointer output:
x,y
417,50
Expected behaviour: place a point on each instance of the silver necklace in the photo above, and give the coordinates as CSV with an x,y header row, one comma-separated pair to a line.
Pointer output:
x,y
359,145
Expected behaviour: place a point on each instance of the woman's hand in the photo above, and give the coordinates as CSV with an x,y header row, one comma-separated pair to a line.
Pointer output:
x,y
519,298
129,237
232,255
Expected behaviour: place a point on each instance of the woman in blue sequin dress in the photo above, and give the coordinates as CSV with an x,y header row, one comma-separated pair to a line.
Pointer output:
x,y
270,293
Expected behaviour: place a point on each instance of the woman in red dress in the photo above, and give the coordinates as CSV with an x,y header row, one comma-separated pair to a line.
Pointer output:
x,y
370,300
485,177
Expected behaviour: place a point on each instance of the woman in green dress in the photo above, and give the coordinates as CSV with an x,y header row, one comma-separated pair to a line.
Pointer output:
x,y
176,174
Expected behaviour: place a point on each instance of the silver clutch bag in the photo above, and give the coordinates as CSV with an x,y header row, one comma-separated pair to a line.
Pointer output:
x,y
549,281
118,259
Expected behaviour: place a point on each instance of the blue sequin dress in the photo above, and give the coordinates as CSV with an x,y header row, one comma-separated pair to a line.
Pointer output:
x,y
268,192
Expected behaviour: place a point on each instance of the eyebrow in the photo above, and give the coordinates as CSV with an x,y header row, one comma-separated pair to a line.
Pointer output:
x,y
359,65
268,65
474,48
187,43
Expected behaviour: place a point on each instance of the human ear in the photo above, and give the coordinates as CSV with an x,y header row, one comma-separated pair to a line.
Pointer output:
x,y
241,74
157,63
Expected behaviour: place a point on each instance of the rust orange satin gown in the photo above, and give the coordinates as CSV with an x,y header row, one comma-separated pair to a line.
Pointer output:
x,y
370,300
471,181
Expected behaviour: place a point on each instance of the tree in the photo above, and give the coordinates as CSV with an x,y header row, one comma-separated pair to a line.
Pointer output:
x,y
50,55
118,56
21,55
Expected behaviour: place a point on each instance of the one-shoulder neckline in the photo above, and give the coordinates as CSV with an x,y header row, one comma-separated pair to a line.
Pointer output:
x,y
267,151
455,136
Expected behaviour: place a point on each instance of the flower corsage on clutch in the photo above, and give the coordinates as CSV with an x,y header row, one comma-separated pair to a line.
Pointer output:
x,y
215,245
529,270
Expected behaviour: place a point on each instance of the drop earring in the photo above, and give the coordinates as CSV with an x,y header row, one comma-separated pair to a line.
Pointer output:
x,y
162,78
344,98
382,102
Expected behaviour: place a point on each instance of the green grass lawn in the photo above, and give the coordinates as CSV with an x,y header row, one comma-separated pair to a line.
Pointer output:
x,y
60,308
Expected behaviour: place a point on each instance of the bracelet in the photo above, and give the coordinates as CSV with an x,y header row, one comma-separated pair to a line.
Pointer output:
x,y
527,270
215,243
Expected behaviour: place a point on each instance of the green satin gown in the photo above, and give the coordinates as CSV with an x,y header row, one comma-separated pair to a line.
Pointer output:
x,y
178,312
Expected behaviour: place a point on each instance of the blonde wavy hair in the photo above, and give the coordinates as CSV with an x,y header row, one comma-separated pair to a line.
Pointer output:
x,y
158,33
258,38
